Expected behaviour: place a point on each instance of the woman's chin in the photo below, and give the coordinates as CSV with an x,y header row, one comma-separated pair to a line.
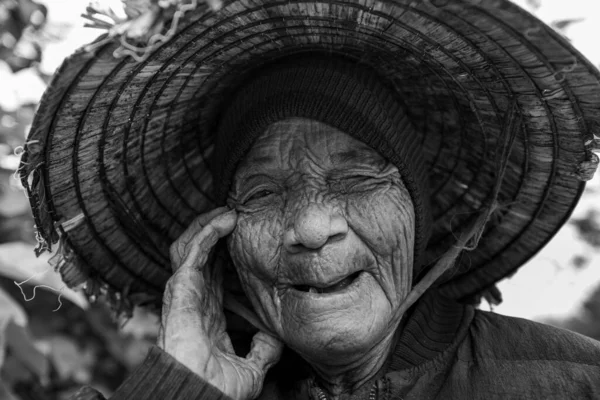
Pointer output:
x,y
327,327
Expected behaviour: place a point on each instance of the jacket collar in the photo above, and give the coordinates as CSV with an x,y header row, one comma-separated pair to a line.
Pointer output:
x,y
434,325
430,328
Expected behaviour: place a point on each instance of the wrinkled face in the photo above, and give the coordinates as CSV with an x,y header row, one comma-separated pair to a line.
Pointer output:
x,y
324,240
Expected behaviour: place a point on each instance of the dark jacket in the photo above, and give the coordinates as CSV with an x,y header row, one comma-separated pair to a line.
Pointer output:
x,y
445,350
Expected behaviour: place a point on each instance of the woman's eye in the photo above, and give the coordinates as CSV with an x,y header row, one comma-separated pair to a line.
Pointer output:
x,y
259,195
354,183
346,183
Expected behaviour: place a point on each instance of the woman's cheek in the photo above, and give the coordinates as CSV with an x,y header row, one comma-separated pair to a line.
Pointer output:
x,y
376,220
255,242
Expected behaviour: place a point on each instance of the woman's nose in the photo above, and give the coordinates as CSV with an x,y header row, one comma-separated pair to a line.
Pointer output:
x,y
314,226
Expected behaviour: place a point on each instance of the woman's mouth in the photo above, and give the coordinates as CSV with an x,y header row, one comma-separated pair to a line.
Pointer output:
x,y
336,287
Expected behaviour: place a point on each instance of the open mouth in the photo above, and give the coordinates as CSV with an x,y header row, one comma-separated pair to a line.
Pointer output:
x,y
336,287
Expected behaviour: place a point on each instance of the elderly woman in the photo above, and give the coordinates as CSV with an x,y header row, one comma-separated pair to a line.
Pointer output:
x,y
372,169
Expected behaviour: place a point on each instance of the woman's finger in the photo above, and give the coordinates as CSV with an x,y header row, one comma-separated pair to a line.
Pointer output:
x,y
203,219
265,351
188,320
197,250
177,249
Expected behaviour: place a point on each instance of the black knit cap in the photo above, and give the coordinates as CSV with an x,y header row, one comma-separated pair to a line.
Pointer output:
x,y
337,92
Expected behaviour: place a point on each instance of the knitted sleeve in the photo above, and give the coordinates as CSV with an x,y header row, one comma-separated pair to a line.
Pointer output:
x,y
160,376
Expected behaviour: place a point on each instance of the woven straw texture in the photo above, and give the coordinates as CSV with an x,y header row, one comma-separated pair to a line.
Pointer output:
x,y
117,162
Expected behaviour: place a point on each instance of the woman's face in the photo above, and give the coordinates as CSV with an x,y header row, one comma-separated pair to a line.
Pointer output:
x,y
324,240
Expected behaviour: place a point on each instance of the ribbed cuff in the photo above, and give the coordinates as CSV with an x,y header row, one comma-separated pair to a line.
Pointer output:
x,y
161,376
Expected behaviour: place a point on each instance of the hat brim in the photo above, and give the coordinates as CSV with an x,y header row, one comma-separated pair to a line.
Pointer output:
x,y
117,159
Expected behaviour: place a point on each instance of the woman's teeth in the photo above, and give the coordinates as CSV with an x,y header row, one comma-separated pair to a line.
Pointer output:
x,y
333,288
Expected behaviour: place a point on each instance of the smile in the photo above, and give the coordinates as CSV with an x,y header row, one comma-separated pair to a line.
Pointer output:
x,y
336,287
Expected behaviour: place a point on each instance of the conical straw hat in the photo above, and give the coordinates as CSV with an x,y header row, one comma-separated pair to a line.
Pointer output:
x,y
117,161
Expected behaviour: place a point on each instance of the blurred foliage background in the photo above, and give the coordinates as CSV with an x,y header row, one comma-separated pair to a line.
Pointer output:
x,y
53,341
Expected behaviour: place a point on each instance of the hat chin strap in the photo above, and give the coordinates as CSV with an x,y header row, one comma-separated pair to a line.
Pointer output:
x,y
471,233
467,240
231,304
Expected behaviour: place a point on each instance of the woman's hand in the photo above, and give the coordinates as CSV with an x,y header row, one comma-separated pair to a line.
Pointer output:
x,y
193,322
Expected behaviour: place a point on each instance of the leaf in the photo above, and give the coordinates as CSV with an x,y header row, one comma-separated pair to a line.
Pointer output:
x,y
12,200
22,347
18,262
71,361
6,393
143,324
10,312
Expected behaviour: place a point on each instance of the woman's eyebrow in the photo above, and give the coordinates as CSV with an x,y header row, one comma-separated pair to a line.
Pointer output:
x,y
349,156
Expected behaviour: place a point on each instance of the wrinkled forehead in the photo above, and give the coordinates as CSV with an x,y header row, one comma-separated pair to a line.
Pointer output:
x,y
290,142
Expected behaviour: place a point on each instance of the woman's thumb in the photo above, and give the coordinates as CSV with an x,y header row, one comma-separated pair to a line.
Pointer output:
x,y
265,351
